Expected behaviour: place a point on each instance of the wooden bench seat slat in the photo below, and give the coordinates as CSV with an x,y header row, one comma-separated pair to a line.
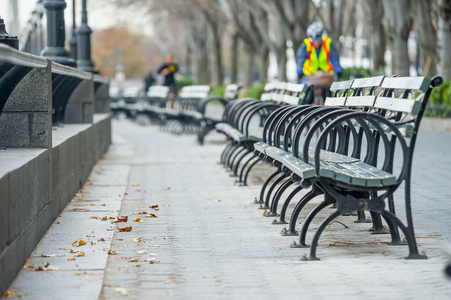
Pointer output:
x,y
367,82
400,105
335,101
360,101
406,83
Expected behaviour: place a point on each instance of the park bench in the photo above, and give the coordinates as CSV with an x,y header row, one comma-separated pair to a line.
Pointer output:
x,y
243,121
150,108
356,152
208,119
125,101
180,113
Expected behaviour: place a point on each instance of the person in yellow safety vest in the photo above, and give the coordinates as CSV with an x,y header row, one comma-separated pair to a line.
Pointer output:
x,y
317,52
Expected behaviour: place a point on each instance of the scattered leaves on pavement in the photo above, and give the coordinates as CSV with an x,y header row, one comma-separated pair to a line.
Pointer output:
x,y
125,229
138,219
152,216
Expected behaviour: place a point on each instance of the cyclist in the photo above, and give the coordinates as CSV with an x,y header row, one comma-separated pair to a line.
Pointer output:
x,y
317,53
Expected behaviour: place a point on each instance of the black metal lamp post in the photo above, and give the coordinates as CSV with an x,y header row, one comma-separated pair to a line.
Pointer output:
x,y
84,61
73,38
6,38
56,35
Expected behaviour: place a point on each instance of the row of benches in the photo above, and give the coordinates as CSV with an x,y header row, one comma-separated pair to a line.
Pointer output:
x,y
187,112
356,150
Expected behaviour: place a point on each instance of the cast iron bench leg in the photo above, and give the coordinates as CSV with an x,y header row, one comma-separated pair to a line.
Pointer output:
x,y
287,201
276,198
270,190
262,192
315,191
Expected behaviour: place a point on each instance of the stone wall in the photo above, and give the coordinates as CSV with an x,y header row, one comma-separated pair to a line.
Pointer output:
x,y
42,167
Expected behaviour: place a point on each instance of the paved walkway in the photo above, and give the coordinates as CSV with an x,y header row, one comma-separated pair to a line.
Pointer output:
x,y
207,241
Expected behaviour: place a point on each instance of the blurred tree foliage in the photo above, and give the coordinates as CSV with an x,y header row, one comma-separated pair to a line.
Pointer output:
x,y
120,46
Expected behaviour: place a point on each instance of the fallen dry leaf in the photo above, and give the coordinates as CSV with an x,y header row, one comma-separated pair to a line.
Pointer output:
x,y
122,291
71,258
139,191
141,252
125,257
137,240
138,219
125,229
101,240
136,266
11,294
135,184
172,277
48,255
47,268
133,260
80,209
153,261
152,216
79,243
122,219
111,252
79,254
154,207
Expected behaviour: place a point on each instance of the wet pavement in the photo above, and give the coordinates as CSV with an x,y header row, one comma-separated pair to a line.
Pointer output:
x,y
195,233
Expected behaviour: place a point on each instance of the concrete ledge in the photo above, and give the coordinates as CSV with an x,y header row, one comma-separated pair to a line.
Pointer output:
x,y
36,185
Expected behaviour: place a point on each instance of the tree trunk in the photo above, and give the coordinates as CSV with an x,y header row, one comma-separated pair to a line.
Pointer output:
x,y
234,60
444,33
198,37
398,23
203,71
264,56
219,69
282,65
188,61
374,13
249,64
426,37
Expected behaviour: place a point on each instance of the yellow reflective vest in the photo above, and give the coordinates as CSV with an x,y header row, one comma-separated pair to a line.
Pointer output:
x,y
314,62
